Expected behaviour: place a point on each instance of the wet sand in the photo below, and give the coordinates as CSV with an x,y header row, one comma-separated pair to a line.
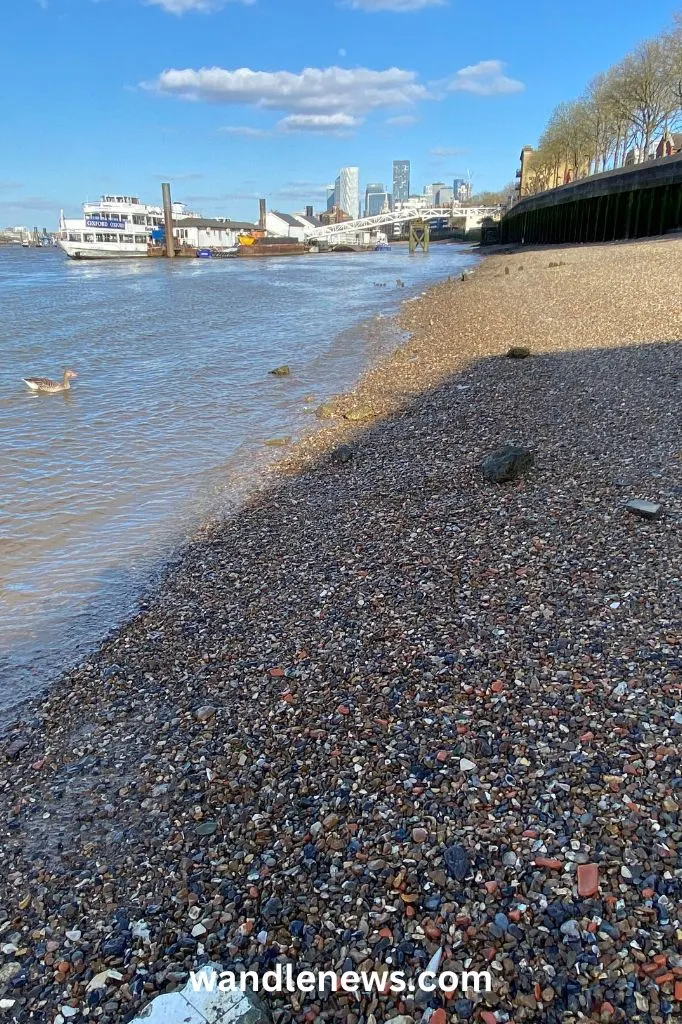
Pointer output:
x,y
391,708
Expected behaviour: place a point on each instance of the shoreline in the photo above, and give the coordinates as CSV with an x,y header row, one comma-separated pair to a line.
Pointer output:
x,y
381,659
37,649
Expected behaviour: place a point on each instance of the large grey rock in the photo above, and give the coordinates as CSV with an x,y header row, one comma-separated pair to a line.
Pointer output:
x,y
506,463
644,509
190,1007
281,371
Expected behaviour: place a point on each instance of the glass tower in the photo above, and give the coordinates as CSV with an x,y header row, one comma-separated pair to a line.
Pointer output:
x,y
401,181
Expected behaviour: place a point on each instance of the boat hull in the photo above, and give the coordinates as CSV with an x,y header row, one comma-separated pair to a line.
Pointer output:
x,y
84,251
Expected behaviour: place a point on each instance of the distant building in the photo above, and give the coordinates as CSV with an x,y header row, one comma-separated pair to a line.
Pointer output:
x,y
461,189
377,200
348,183
670,144
537,174
306,220
444,196
210,233
401,181
284,225
331,197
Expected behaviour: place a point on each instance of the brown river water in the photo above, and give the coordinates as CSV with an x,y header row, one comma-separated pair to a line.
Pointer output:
x,y
167,421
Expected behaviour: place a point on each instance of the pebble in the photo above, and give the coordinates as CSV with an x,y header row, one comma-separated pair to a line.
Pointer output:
x,y
425,749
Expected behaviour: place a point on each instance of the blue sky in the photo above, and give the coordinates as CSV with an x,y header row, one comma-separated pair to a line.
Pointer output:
x,y
232,99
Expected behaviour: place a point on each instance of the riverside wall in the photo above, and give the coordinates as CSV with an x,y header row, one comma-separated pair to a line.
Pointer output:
x,y
632,202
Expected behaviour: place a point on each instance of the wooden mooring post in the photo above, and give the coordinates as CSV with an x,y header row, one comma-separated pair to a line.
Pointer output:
x,y
168,219
420,235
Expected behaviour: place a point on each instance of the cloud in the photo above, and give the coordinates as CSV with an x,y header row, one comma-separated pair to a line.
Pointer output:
x,y
38,203
252,133
484,79
402,119
343,53
443,151
401,6
190,176
326,91
302,190
220,198
323,123
183,6
6,184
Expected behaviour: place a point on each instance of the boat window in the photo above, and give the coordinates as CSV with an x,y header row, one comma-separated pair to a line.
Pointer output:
x,y
74,237
137,219
99,237
141,238
88,238
127,238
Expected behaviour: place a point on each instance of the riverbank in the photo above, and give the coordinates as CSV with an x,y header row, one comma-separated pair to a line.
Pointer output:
x,y
391,707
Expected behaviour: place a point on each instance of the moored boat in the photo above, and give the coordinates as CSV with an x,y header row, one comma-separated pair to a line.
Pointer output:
x,y
116,227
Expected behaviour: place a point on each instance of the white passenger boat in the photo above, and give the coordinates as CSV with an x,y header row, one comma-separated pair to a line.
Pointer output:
x,y
116,227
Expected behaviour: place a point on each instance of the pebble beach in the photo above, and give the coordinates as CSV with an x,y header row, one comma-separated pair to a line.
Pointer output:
x,y
391,711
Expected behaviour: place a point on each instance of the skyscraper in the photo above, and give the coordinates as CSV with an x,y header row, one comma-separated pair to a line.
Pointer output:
x,y
401,181
349,191
375,197
331,197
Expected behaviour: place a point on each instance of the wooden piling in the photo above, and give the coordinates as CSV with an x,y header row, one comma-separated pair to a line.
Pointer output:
x,y
168,219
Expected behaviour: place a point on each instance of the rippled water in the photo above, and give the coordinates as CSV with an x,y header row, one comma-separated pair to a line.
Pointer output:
x,y
167,420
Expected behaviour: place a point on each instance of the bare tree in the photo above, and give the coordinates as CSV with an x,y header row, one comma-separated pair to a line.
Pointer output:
x,y
644,93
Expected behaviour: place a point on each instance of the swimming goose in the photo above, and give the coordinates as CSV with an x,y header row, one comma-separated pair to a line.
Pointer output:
x,y
50,387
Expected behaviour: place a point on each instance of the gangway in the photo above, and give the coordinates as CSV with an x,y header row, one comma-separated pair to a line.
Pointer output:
x,y
380,220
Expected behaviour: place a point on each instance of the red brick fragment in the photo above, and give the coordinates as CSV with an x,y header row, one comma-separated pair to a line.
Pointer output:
x,y
588,879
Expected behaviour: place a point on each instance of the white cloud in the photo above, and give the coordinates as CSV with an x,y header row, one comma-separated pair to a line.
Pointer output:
x,y
319,122
402,119
342,52
251,133
443,151
312,91
301,190
484,79
401,6
203,6
187,176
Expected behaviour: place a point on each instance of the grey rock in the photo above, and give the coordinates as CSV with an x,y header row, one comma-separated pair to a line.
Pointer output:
x,y
205,714
281,371
518,352
457,862
18,744
341,455
644,509
506,463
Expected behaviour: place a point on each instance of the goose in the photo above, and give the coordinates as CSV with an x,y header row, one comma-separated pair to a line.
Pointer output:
x,y
51,387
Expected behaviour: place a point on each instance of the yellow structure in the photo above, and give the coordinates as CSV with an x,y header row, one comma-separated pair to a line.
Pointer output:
x,y
539,173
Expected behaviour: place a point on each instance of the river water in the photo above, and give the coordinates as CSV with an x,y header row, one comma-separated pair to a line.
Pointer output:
x,y
168,419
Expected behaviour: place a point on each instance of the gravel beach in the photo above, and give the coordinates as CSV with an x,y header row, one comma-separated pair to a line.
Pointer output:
x,y
392,708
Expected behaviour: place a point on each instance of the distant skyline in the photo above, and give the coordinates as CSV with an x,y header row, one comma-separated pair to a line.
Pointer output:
x,y
230,100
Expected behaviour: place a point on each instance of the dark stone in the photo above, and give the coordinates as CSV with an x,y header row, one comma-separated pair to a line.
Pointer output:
x,y
281,371
518,352
115,946
18,744
644,509
272,907
457,862
341,455
506,463
207,828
